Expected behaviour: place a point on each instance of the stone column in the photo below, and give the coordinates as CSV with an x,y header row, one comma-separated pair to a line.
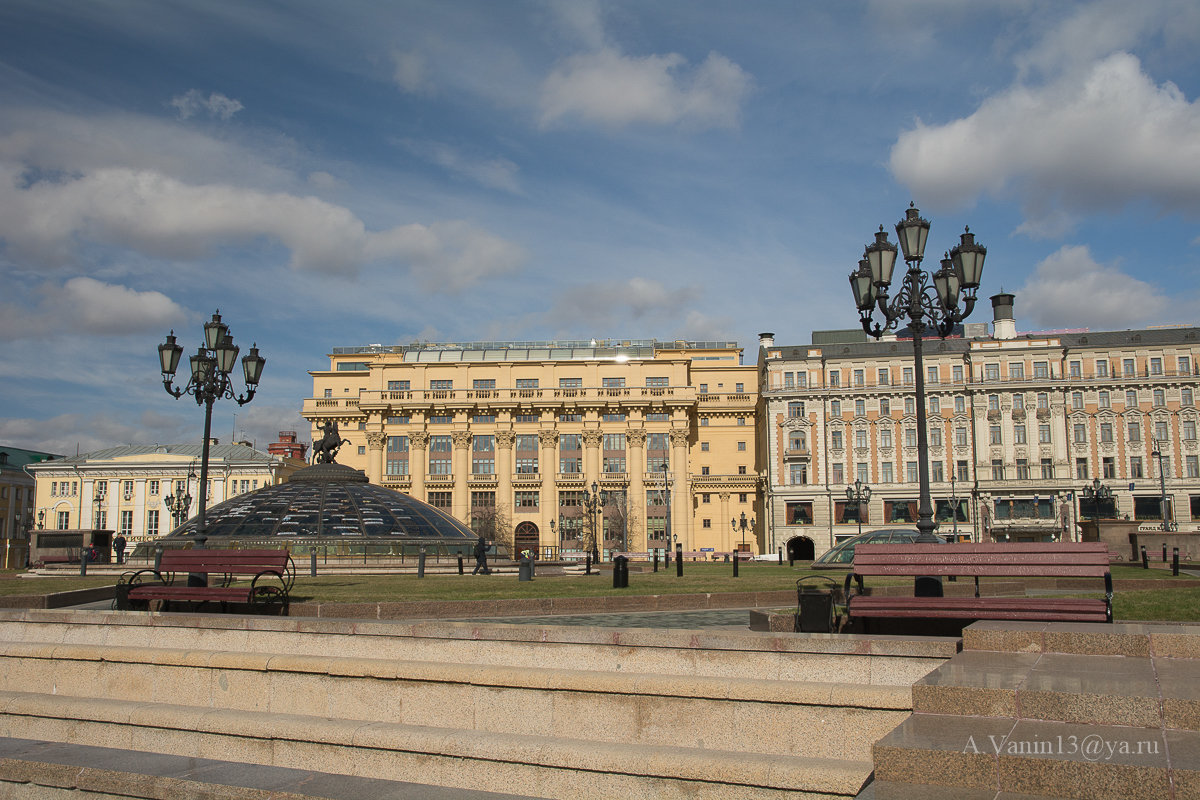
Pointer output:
x,y
681,496
548,469
592,437
418,462
504,467
462,469
375,443
726,541
636,466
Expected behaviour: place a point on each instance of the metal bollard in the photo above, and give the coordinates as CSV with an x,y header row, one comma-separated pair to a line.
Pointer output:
x,y
421,563
1164,552
780,551
678,561
158,551
1175,561
1145,558
654,552
587,563
312,562
666,557
620,572
735,564
460,565
83,561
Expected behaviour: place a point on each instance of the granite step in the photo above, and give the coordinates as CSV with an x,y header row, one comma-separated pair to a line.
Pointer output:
x,y
1039,757
1133,639
37,769
540,766
882,790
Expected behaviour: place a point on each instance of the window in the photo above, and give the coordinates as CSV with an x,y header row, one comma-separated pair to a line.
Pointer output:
x,y
797,474
612,383
937,472
329,392
440,449
570,418
127,490
931,374
995,435
956,373
1076,400
1041,369
1160,430
152,488
1016,370
835,408
741,420
526,452
1047,469
1192,465
1075,369
997,469
1104,400
883,376
885,472
839,473
960,437
740,388
396,456
885,437
1018,402
705,497
910,471
396,420
859,377
362,449
704,388
1044,433
570,452
1185,397
991,372
907,376
527,383
1156,366
860,408
152,522
860,438
860,472
1129,367
480,419
64,520
993,402
1185,365
799,512
1160,398
706,523
910,437
910,405
613,417
483,383
658,382
441,385
935,436
398,386
1134,429
126,523
441,499
795,409
441,419
1135,467
525,499
704,422
1022,469
1101,368
704,447
885,407
1189,429
1080,432
835,378
741,447
960,405
935,405
655,416
964,471
1043,400
704,471
1081,469
483,455
1109,466
1019,434
835,440
1106,432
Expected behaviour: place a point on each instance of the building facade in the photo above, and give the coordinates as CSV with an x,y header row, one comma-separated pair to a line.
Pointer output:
x,y
515,435
17,504
125,489
1018,425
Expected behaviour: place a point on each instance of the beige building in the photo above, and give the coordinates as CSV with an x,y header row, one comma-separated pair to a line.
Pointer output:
x,y
17,507
514,435
1018,425
124,489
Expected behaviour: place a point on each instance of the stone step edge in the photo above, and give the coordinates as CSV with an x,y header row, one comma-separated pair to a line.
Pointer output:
x,y
73,767
930,647
1132,639
837,776
733,689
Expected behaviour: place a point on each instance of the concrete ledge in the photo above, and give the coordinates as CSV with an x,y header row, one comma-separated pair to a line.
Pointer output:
x,y
74,597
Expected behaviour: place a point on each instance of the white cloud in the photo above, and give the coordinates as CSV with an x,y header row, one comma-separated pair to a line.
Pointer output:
x,y
87,306
613,89
1090,141
581,19
411,72
161,216
603,305
194,102
1051,298
496,173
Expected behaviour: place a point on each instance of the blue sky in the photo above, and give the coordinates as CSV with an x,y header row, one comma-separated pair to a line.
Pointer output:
x,y
332,174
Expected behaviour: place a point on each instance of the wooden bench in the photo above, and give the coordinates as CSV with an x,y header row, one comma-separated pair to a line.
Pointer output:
x,y
1028,560
272,574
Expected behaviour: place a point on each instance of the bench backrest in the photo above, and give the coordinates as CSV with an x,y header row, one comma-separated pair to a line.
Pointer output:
x,y
232,562
1033,559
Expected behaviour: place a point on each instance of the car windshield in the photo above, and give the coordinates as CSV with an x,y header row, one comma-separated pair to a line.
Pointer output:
x,y
844,553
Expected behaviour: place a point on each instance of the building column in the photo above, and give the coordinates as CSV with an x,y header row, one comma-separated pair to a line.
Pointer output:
x,y
636,466
681,507
592,437
375,443
548,497
418,462
461,469
504,468
726,539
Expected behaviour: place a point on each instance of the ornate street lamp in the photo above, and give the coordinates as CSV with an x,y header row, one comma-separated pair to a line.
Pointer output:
x,y
734,523
208,383
593,503
960,272
98,500
1095,492
954,506
1168,525
178,505
41,519
667,497
860,495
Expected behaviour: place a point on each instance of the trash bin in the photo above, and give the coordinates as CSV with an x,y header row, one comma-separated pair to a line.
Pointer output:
x,y
816,597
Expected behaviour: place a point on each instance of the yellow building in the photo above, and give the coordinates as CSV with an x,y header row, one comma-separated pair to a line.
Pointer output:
x,y
511,437
124,489
17,507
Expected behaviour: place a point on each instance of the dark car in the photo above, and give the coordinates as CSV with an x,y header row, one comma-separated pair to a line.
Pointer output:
x,y
842,555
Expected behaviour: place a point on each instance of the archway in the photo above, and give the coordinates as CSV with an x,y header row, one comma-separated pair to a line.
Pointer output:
x,y
525,538
801,548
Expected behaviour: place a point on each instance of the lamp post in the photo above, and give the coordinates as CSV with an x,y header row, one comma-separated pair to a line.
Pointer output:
x,y
210,382
41,519
954,506
1095,492
560,529
178,505
666,496
1157,452
594,505
98,500
734,522
859,494
960,271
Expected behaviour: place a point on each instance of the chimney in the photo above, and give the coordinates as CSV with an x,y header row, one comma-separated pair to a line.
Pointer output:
x,y
766,340
1003,324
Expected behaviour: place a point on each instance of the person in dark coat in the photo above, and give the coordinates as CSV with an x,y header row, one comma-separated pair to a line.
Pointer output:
x,y
119,548
481,548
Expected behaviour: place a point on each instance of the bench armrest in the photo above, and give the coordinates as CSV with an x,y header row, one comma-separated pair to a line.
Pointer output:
x,y
858,579
141,575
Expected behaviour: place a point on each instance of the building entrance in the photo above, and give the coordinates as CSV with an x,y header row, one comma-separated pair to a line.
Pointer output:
x,y
525,538
801,548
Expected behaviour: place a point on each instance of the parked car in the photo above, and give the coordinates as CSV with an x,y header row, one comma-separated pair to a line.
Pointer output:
x,y
841,555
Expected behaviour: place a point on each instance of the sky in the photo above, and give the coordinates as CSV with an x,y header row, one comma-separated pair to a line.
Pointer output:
x,y
338,174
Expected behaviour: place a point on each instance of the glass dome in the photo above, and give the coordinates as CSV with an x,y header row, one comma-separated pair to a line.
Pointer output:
x,y
330,501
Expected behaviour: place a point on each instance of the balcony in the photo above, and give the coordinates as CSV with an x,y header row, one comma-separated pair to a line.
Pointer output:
x,y
797,451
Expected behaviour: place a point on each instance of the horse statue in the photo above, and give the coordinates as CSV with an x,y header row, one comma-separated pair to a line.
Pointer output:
x,y
325,450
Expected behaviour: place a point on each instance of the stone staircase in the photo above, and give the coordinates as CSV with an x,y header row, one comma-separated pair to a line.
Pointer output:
x,y
535,711
1052,710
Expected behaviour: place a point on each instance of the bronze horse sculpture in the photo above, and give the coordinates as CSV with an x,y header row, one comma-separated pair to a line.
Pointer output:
x,y
324,450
